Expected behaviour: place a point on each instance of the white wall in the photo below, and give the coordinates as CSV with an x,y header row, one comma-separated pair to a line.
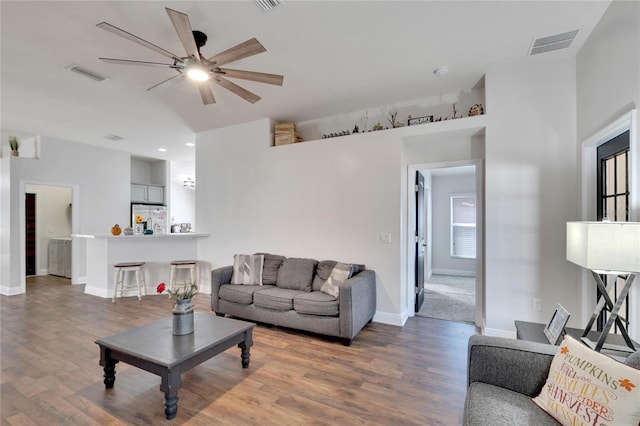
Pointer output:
x,y
182,201
531,190
326,199
100,181
443,187
608,86
53,219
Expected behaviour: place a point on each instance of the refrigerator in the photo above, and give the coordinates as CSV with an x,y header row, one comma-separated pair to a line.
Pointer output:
x,y
147,216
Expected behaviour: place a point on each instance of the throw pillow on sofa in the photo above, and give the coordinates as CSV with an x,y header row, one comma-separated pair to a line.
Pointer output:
x,y
270,268
296,273
340,273
587,387
323,272
247,269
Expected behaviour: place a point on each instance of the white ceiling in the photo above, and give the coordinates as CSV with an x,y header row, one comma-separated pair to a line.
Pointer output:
x,y
336,56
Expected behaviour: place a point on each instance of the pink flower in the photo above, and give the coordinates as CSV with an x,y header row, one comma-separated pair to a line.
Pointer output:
x,y
161,287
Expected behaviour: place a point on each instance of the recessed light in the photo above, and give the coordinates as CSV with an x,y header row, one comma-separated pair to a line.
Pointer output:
x,y
190,144
443,70
162,149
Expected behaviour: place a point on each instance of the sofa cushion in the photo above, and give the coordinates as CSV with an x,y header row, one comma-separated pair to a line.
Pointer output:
x,y
240,293
296,274
247,269
585,386
270,268
492,405
323,271
276,298
340,273
316,303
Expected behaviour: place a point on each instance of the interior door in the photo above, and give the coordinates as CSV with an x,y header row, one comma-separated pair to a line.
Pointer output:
x,y
30,233
420,241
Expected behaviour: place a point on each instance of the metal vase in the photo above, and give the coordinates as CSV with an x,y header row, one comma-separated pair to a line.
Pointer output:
x,y
182,317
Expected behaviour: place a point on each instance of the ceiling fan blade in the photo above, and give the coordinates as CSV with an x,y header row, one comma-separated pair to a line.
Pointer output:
x,y
136,39
242,50
260,77
240,91
168,82
182,25
130,62
206,93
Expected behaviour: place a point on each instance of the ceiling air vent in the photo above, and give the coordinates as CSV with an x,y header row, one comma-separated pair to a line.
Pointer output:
x,y
554,42
86,73
266,5
114,137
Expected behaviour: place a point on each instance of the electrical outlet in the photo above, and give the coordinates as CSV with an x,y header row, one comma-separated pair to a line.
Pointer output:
x,y
536,304
385,237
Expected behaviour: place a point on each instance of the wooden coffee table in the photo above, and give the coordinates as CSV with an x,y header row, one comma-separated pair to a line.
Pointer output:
x,y
155,349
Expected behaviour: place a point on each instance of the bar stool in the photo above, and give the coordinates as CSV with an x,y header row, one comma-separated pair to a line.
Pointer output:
x,y
178,265
119,275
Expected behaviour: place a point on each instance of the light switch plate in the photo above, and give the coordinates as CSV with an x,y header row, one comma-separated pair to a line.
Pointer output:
x,y
385,237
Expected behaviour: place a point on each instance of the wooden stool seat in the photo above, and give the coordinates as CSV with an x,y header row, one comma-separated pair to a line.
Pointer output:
x,y
176,266
119,275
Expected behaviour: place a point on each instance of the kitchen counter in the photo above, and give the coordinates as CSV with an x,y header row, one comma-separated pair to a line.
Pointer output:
x,y
156,250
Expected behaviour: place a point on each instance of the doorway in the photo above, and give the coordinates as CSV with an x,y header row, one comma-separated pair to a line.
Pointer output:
x,y
30,233
451,213
47,220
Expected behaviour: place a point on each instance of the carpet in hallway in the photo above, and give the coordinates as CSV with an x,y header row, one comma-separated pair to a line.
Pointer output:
x,y
449,298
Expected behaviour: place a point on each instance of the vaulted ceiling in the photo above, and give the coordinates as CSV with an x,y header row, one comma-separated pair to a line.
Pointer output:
x,y
336,56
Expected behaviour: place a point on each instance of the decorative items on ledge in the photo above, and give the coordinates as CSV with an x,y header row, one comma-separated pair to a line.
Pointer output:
x,y
14,144
285,133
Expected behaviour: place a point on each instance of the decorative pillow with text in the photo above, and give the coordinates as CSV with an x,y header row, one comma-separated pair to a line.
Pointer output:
x,y
585,387
247,269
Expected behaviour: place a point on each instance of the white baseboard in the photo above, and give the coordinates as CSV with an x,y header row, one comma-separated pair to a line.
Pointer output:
x,y
499,333
454,272
10,291
43,272
80,280
98,291
389,318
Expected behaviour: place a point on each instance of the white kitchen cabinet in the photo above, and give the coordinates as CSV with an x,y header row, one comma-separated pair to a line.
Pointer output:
x,y
60,257
147,193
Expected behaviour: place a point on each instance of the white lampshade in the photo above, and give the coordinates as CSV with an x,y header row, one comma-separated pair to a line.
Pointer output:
x,y
606,246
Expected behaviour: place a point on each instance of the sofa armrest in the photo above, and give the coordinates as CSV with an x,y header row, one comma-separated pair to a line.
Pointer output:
x,y
517,365
357,303
219,277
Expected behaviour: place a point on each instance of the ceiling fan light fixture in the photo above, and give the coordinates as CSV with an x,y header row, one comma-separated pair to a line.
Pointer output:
x,y
197,73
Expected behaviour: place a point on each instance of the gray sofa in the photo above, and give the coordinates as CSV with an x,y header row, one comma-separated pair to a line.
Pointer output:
x,y
291,297
503,376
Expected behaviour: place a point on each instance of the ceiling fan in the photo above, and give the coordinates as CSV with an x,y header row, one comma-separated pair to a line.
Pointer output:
x,y
198,68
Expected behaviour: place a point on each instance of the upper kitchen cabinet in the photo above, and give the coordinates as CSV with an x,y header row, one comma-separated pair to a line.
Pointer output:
x,y
148,180
147,194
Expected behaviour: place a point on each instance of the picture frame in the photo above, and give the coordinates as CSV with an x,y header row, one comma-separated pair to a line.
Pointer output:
x,y
138,228
554,330
420,120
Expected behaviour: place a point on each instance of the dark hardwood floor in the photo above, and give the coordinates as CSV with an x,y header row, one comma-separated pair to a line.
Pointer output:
x,y
390,375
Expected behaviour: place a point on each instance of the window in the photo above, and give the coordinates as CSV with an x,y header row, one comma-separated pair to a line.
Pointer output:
x,y
463,226
613,204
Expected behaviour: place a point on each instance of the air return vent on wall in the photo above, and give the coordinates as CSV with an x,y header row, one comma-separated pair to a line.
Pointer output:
x,y
266,5
87,73
554,42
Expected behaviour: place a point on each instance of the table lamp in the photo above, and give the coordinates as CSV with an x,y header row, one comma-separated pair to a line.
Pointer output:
x,y
606,248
